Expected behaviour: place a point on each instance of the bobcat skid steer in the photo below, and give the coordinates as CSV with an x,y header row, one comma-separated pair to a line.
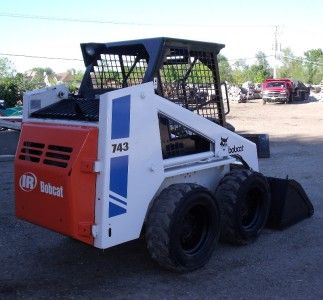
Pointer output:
x,y
144,148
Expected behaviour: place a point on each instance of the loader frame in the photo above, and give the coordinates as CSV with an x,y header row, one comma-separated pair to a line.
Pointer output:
x,y
144,142
126,212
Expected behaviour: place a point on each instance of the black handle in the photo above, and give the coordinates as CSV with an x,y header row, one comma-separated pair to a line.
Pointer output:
x,y
226,95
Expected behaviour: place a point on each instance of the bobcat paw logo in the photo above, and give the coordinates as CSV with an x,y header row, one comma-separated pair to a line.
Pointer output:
x,y
224,142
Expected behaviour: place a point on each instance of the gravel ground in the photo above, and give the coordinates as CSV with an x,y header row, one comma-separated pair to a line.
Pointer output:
x,y
36,263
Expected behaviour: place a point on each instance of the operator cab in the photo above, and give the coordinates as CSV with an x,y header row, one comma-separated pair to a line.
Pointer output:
x,y
183,71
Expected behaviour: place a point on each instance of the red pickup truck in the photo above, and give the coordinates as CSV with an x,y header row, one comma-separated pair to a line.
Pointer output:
x,y
283,90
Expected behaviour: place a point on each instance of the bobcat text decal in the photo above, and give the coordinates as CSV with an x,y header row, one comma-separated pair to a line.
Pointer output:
x,y
28,182
233,149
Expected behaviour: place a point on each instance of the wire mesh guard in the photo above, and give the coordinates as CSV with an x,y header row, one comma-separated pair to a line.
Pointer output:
x,y
188,78
185,77
115,71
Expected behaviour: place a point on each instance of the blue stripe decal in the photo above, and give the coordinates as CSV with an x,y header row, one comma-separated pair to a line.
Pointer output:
x,y
119,175
117,199
120,128
115,210
120,117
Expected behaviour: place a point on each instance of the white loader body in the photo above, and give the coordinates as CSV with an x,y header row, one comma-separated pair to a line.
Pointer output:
x,y
147,172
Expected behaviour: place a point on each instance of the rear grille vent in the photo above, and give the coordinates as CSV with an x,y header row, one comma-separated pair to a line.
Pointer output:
x,y
54,155
31,151
57,156
60,148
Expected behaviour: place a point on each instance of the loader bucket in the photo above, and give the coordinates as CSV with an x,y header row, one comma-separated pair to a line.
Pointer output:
x,y
289,203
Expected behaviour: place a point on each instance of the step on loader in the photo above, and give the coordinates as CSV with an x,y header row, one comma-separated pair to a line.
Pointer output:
x,y
144,148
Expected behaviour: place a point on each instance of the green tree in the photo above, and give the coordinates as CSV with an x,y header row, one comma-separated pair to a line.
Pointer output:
x,y
240,64
292,66
8,87
259,71
262,60
314,65
240,72
6,68
9,91
39,74
75,80
225,69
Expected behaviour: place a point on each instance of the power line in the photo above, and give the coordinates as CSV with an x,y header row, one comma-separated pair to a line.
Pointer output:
x,y
77,59
247,58
113,22
303,60
41,57
81,60
39,17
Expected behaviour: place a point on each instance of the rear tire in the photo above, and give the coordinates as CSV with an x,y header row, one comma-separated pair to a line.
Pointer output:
x,y
244,199
183,227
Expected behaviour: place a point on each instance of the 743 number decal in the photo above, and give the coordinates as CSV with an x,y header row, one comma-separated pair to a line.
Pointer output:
x,y
120,147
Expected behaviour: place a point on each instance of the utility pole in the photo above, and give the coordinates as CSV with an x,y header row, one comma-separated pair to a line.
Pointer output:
x,y
275,46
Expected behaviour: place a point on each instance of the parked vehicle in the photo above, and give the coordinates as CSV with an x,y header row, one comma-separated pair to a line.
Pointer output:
x,y
10,111
283,90
277,90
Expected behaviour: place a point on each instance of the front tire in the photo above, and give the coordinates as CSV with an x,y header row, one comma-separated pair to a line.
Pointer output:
x,y
183,227
244,198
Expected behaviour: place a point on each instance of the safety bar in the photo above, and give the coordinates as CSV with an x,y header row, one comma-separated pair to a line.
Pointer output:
x,y
186,159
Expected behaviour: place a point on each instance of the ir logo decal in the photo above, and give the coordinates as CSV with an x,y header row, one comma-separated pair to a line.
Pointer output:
x,y
28,181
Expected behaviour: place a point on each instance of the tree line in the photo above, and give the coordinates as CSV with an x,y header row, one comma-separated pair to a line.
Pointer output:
x,y
308,69
13,84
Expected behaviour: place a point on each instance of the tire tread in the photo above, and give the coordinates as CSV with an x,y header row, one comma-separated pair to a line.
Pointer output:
x,y
159,222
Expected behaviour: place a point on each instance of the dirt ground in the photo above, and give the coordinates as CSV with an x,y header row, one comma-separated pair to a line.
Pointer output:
x,y
36,263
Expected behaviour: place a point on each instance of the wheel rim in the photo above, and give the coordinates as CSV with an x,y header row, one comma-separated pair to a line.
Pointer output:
x,y
250,210
194,230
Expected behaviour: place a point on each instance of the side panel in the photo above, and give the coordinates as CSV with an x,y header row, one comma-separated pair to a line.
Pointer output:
x,y
132,165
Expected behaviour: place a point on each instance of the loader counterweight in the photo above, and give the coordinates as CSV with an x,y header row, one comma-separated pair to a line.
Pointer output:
x,y
55,182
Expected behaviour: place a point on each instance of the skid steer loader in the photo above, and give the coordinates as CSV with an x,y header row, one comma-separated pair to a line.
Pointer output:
x,y
144,148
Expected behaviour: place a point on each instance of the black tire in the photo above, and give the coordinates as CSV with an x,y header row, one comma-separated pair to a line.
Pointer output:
x,y
244,199
304,96
264,101
183,227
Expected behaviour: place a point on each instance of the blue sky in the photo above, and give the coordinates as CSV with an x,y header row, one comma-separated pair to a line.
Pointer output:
x,y
244,26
